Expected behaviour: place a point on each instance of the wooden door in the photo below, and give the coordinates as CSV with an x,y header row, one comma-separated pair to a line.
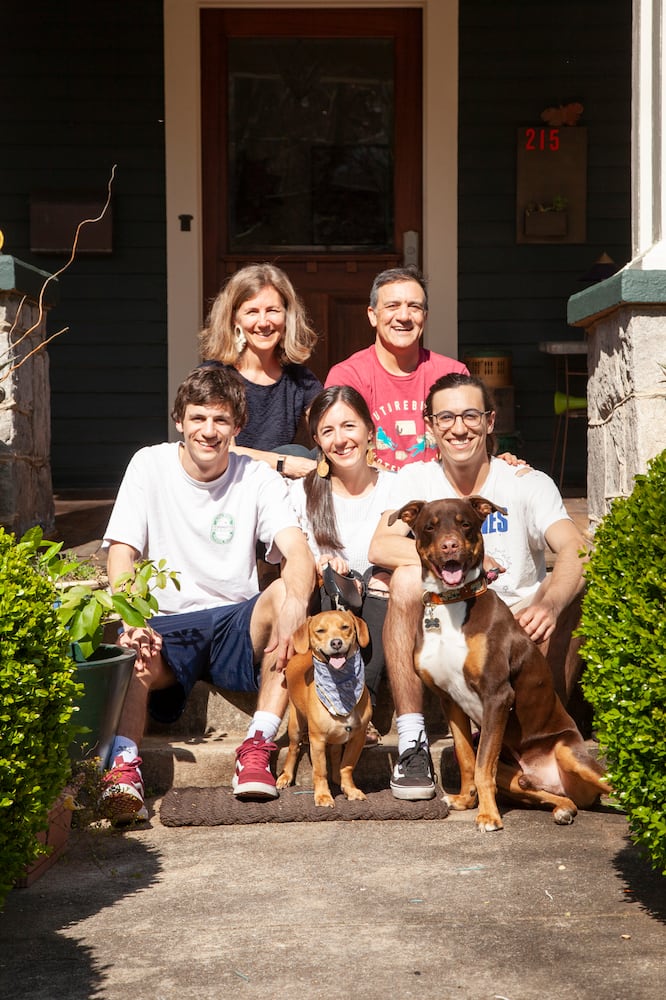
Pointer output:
x,y
312,144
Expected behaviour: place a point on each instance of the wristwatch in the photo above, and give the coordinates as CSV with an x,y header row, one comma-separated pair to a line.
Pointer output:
x,y
280,464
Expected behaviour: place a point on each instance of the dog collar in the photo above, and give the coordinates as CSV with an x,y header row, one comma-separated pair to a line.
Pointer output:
x,y
472,589
340,690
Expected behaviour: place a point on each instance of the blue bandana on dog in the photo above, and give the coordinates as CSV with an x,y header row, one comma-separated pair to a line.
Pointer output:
x,y
340,688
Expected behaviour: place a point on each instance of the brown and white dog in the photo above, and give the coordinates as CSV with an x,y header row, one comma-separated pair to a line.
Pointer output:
x,y
472,652
328,700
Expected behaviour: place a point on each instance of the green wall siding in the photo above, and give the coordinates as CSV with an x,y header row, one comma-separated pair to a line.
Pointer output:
x,y
516,59
82,88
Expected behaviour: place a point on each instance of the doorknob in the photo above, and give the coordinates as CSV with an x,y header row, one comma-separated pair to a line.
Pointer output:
x,y
410,248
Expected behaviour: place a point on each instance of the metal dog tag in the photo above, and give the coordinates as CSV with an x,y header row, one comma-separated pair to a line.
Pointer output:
x,y
431,622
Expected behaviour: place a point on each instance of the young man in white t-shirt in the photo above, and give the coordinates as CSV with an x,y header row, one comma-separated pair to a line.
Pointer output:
x,y
460,416
203,509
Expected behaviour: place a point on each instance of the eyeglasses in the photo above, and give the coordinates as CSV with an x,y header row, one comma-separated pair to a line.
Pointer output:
x,y
445,420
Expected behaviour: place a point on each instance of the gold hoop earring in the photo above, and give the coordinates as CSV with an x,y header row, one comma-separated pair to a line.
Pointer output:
x,y
370,456
239,338
323,468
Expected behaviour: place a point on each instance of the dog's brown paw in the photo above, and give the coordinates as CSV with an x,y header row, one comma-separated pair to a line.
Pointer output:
x,y
324,800
284,780
564,815
487,823
460,801
354,794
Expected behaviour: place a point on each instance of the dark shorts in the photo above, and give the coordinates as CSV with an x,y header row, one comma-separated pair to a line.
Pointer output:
x,y
212,645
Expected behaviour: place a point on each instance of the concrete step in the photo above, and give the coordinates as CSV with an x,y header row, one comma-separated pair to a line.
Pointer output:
x,y
210,710
200,749
210,761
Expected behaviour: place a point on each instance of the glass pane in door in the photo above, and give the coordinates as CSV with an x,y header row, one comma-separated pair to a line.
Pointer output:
x,y
310,151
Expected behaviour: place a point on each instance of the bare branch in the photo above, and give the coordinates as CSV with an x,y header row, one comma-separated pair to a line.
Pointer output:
x,y
52,277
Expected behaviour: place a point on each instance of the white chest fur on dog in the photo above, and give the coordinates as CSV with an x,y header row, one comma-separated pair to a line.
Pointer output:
x,y
443,656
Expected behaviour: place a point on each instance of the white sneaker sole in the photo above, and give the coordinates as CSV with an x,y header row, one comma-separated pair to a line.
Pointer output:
x,y
413,793
253,789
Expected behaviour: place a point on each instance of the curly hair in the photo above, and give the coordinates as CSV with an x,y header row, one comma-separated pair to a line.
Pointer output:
x,y
318,492
217,339
207,386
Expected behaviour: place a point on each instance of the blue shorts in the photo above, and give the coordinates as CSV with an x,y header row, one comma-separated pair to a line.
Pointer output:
x,y
212,645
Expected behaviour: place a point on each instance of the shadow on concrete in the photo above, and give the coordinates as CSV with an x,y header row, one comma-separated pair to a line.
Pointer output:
x,y
643,884
40,954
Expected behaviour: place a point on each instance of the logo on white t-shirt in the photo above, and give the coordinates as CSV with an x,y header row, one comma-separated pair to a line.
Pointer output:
x,y
222,529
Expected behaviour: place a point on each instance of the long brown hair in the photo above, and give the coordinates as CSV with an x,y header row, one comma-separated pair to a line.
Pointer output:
x,y
217,340
318,492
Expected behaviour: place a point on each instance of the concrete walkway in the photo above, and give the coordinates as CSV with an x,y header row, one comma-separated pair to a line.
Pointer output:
x,y
371,910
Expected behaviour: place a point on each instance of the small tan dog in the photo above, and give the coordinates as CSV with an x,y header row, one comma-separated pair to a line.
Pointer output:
x,y
328,700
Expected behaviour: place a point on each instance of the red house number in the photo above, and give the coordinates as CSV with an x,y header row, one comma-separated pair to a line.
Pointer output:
x,y
542,138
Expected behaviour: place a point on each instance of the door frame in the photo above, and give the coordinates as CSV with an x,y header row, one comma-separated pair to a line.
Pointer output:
x,y
183,168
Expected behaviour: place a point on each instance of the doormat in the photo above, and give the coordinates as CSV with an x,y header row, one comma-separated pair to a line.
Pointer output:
x,y
220,807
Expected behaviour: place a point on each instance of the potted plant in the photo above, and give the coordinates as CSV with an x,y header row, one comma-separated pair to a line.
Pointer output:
x,y
87,609
547,218
61,687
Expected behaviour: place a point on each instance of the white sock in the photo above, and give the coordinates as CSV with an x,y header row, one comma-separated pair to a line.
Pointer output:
x,y
411,727
265,723
123,747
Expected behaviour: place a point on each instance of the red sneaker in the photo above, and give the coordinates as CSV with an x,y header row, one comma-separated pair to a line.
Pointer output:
x,y
253,778
123,794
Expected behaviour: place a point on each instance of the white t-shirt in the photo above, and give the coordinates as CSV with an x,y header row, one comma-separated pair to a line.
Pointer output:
x,y
516,540
206,531
357,518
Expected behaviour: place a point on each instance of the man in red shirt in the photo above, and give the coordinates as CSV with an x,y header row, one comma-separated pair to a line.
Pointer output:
x,y
395,373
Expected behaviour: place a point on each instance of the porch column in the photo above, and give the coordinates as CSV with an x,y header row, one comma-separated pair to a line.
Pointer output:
x,y
625,316
26,493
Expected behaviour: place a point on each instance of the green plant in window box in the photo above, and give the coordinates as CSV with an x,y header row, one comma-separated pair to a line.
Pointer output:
x,y
623,623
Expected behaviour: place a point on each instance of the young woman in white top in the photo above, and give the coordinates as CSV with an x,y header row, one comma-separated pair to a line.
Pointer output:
x,y
339,505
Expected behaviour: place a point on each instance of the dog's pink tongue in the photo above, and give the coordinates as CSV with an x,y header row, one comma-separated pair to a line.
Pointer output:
x,y
452,574
337,662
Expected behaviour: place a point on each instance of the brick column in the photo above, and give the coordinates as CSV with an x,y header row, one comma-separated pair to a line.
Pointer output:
x,y
26,493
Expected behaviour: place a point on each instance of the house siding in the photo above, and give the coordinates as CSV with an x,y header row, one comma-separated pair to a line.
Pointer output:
x,y
82,89
516,59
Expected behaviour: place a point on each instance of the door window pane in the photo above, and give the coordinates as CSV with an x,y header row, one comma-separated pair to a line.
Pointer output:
x,y
310,154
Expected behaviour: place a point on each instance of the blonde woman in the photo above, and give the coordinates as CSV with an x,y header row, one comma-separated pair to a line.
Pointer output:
x,y
258,326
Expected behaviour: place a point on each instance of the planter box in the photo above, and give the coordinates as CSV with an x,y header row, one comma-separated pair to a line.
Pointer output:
x,y
55,838
546,224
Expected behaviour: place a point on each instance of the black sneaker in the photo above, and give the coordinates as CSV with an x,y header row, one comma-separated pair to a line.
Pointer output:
x,y
412,777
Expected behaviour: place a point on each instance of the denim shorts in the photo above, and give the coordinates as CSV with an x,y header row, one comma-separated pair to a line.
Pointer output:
x,y
212,645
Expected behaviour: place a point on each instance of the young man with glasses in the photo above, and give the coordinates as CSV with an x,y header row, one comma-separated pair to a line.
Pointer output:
x,y
394,374
459,412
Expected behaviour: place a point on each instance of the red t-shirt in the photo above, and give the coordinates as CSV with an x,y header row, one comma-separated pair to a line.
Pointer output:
x,y
396,402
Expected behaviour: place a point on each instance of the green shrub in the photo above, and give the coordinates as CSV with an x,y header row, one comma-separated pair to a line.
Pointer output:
x,y
37,692
624,627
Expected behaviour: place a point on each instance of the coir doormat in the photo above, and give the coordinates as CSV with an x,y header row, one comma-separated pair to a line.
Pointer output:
x,y
219,807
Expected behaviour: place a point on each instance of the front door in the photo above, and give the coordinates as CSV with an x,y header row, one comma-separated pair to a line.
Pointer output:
x,y
311,136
